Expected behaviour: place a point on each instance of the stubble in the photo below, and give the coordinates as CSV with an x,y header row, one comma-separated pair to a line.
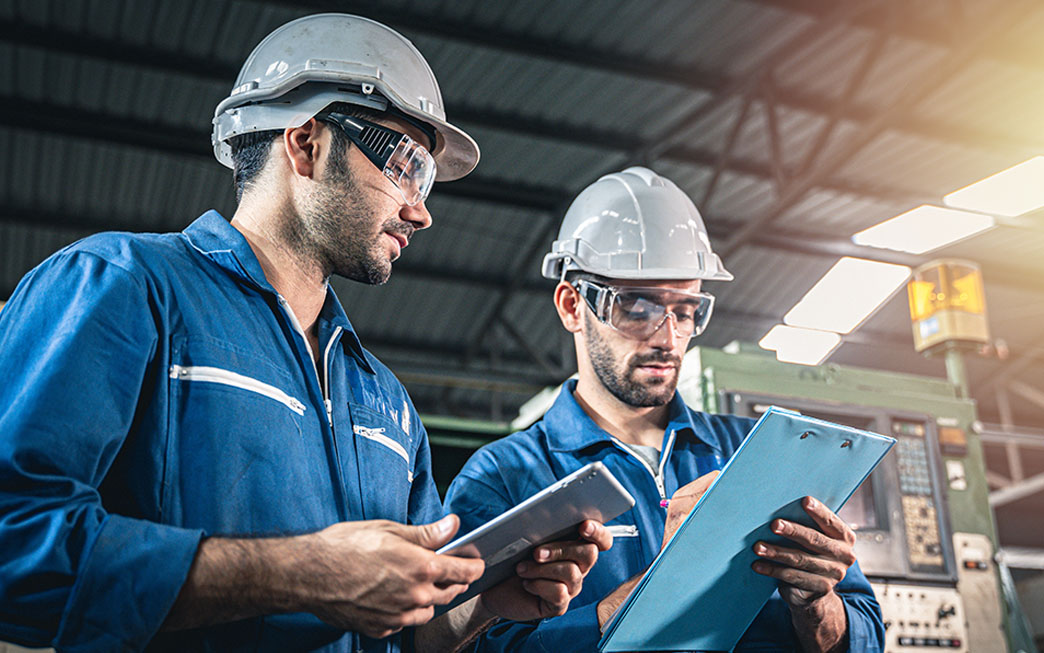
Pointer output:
x,y
619,378
339,225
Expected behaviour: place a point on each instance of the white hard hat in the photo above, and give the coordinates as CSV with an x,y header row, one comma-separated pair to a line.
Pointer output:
x,y
634,224
309,63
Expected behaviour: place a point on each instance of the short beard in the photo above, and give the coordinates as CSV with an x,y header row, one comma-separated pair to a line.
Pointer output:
x,y
337,227
621,383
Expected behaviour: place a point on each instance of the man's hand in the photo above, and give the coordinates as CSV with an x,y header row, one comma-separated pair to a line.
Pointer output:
x,y
682,502
812,573
678,508
374,577
808,575
377,577
544,586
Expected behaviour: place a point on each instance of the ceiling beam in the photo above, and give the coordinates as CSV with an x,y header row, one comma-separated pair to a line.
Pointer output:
x,y
1012,367
695,78
1016,491
185,141
109,128
499,38
178,62
1000,48
1027,392
796,188
915,92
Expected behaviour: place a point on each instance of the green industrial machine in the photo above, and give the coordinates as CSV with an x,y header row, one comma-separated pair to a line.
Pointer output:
x,y
926,531
926,536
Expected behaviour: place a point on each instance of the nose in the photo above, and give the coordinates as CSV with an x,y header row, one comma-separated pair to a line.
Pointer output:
x,y
665,336
417,215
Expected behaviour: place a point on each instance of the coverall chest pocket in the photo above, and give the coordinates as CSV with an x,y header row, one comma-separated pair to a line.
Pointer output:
x,y
386,458
235,447
626,557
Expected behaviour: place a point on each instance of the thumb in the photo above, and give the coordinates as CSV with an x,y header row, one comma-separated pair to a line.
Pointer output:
x,y
433,535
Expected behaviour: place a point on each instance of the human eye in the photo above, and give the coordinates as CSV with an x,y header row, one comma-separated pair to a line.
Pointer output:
x,y
638,308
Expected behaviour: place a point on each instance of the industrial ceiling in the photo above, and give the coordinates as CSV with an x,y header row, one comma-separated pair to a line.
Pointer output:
x,y
793,124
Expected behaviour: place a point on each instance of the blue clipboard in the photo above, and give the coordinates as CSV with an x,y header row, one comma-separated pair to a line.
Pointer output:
x,y
700,593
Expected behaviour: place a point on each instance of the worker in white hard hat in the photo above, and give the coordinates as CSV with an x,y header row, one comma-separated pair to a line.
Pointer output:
x,y
196,451
630,260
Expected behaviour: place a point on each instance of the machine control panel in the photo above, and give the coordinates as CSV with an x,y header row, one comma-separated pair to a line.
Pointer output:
x,y
919,617
924,544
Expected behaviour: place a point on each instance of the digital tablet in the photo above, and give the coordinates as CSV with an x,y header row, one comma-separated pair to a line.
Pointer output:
x,y
554,513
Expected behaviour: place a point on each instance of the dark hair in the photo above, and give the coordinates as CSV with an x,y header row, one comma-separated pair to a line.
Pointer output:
x,y
250,152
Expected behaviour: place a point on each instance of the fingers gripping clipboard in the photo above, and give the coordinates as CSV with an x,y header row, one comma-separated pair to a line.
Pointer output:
x,y
700,593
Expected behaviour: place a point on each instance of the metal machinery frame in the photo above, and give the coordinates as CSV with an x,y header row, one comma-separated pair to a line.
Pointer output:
x,y
956,604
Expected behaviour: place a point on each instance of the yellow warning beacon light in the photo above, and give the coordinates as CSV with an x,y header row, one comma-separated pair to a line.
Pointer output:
x,y
947,305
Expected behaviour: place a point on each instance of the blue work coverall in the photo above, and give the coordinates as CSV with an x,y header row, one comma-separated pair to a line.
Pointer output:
x,y
156,389
506,472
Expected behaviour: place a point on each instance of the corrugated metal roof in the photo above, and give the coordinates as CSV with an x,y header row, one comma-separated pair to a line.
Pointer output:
x,y
453,275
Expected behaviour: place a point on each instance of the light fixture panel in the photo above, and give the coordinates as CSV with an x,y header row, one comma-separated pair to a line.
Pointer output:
x,y
847,294
1011,192
924,229
801,346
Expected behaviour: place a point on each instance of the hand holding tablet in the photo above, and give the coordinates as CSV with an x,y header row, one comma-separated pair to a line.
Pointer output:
x,y
552,514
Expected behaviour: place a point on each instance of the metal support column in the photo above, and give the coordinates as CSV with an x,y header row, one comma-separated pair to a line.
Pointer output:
x,y
956,372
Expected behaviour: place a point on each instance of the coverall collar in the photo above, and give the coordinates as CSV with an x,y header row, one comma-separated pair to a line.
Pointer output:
x,y
214,237
570,428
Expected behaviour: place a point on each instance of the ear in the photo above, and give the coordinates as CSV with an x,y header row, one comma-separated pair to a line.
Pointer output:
x,y
303,146
570,307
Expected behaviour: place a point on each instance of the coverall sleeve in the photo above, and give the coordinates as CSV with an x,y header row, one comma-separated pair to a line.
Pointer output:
x,y
866,630
76,341
476,502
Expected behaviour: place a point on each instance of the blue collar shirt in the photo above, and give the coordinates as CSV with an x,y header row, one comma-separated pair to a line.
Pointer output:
x,y
157,389
508,471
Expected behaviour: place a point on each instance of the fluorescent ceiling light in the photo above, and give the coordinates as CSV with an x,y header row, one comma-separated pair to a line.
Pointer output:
x,y
847,294
924,229
1011,192
803,346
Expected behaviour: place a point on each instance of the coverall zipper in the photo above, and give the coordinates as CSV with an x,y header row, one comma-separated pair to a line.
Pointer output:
x,y
324,385
232,379
325,382
657,479
323,388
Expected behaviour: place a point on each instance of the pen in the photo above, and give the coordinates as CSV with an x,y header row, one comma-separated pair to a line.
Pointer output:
x,y
664,503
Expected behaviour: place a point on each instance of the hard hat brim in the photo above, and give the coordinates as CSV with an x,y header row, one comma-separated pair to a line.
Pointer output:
x,y
455,153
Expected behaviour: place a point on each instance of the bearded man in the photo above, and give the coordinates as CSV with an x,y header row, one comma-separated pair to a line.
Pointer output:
x,y
631,257
196,452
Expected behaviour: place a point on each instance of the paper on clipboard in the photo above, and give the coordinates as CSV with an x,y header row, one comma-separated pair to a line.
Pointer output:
x,y
700,593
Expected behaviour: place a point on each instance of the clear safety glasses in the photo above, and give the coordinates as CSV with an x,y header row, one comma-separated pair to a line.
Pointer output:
x,y
407,163
640,312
